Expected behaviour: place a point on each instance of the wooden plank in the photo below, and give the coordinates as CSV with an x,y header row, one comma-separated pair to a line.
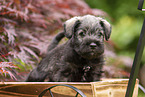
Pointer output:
x,y
10,89
105,88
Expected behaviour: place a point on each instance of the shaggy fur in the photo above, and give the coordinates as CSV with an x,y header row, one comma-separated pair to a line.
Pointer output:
x,y
81,57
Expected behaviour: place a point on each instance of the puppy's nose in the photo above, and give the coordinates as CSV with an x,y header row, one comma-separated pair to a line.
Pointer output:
x,y
93,45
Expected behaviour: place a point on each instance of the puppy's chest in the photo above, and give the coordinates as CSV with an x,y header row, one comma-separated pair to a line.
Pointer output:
x,y
83,67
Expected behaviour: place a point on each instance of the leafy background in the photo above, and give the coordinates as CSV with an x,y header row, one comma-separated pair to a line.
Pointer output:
x,y
27,27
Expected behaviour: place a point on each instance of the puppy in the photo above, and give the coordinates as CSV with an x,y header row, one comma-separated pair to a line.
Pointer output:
x,y
80,59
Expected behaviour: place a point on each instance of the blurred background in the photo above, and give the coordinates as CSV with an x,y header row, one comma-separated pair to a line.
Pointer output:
x,y
27,27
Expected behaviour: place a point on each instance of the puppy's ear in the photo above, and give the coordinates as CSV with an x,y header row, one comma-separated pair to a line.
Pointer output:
x,y
107,28
76,25
69,26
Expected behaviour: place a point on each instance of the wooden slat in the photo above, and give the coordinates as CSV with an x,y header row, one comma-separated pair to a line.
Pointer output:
x,y
35,88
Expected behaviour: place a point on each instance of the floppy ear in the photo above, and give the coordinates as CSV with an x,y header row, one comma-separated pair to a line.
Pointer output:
x,y
69,26
106,27
76,25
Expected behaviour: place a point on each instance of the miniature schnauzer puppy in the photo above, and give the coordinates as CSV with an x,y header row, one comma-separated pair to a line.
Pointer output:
x,y
80,59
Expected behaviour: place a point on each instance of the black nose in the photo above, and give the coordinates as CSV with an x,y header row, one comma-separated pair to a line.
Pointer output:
x,y
93,45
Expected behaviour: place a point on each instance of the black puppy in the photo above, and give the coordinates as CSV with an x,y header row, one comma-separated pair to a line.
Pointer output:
x,y
81,57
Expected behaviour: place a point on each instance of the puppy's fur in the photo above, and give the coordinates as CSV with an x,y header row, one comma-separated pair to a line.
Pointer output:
x,y
81,57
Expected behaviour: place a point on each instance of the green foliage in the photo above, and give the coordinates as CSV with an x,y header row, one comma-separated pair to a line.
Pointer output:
x,y
140,93
116,8
125,31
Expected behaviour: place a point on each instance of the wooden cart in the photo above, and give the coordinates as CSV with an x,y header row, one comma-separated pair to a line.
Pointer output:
x,y
105,88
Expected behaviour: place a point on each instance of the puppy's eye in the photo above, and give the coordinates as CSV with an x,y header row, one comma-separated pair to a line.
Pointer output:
x,y
100,34
81,33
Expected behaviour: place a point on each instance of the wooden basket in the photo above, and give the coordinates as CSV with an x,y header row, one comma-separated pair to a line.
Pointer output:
x,y
105,88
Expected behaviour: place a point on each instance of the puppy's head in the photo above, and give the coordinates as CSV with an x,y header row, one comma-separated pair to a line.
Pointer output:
x,y
87,34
